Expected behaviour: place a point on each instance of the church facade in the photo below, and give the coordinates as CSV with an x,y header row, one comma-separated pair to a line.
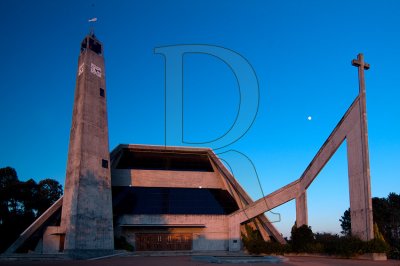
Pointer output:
x,y
174,198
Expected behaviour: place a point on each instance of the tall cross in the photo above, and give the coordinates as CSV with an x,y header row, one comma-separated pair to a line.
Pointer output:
x,y
359,62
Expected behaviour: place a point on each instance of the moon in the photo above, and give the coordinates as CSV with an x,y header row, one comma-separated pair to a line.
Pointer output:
x,y
309,118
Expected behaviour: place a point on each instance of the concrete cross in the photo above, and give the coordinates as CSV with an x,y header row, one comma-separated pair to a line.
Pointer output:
x,y
359,62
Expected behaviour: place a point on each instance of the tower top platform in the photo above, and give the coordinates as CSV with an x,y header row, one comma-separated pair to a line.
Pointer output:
x,y
90,42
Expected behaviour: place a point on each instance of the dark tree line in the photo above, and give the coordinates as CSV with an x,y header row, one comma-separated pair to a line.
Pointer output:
x,y
386,216
21,202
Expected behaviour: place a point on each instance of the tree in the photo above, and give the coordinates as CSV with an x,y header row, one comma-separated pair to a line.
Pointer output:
x,y
49,191
345,223
8,176
10,210
394,217
8,182
27,198
302,238
386,215
22,202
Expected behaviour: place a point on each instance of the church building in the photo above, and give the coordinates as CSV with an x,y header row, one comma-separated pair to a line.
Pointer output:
x,y
148,197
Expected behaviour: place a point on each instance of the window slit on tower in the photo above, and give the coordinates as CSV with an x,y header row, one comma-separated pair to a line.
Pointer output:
x,y
102,92
104,163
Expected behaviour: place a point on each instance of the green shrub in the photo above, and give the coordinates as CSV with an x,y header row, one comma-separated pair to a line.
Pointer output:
x,y
254,243
327,242
302,238
376,245
252,240
271,247
347,246
394,252
344,246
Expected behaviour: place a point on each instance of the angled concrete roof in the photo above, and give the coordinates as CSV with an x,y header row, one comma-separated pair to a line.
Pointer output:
x,y
229,181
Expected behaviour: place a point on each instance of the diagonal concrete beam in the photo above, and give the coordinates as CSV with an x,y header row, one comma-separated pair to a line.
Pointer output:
x,y
268,202
245,198
331,145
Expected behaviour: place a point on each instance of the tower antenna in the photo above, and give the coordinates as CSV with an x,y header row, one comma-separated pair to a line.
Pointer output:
x,y
91,21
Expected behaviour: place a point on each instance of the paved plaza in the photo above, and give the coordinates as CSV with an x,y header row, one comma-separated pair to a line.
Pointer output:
x,y
187,261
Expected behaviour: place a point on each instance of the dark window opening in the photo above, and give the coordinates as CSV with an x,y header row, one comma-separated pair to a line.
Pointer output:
x,y
164,161
62,241
104,163
152,200
102,92
93,45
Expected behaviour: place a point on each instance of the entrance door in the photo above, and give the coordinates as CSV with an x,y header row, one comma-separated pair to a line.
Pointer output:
x,y
146,242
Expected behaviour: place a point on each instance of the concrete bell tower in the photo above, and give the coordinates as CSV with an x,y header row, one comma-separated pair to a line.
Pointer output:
x,y
87,218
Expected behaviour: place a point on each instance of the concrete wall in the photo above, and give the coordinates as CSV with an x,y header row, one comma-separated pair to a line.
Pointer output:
x,y
164,178
51,240
213,236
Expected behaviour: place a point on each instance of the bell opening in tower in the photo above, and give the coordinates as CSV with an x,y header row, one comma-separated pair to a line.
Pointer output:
x,y
92,44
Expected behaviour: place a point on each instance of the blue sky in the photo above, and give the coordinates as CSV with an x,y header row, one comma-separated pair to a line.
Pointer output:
x,y
300,51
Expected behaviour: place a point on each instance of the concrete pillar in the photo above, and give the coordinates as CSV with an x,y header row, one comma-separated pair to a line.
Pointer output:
x,y
358,163
301,209
359,187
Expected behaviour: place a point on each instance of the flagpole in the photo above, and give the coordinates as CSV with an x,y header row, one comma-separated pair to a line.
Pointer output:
x,y
91,22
